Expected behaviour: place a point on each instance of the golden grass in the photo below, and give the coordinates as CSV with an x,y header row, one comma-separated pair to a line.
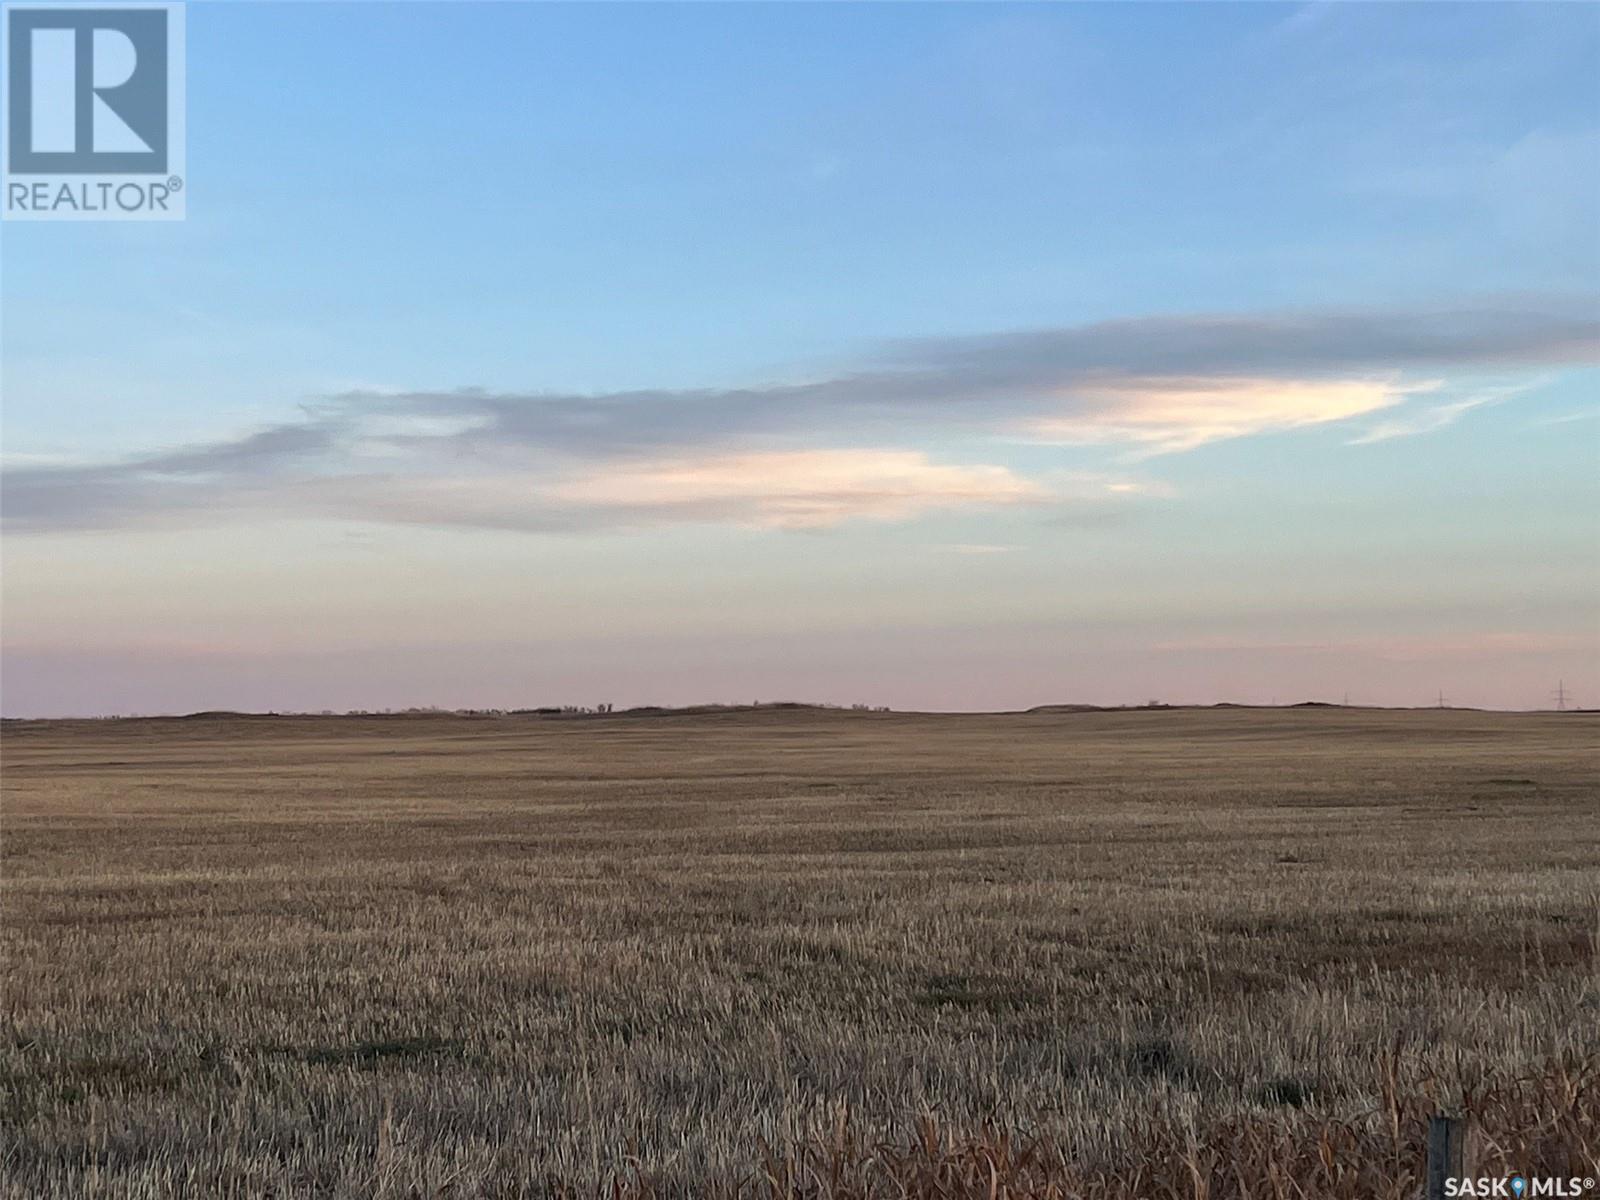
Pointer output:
x,y
1197,953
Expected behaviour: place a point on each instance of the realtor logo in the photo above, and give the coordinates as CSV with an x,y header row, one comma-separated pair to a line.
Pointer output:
x,y
93,112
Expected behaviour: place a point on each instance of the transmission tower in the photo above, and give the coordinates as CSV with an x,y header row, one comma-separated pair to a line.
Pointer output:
x,y
1443,703
1561,695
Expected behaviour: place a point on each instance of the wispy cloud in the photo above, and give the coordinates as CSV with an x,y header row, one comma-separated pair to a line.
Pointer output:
x,y
1433,417
1165,416
812,489
853,445
1587,414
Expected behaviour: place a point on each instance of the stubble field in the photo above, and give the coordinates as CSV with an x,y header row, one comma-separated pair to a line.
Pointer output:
x,y
796,952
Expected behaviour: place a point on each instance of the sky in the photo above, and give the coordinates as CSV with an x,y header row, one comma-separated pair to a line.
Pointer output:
x,y
933,356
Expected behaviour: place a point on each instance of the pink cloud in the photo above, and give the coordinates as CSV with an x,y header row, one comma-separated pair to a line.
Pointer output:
x,y
799,489
1166,415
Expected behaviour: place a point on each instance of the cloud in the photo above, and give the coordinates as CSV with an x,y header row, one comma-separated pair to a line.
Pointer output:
x,y
786,490
1169,415
1290,345
799,489
806,453
1437,416
1590,414
789,490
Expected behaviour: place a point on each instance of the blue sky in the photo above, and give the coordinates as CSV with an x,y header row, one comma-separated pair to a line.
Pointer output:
x,y
934,355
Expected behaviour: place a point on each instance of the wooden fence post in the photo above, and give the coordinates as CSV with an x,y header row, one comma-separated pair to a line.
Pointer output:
x,y
1447,1153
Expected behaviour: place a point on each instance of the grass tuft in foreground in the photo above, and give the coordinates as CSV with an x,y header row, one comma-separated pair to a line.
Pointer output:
x,y
1546,1125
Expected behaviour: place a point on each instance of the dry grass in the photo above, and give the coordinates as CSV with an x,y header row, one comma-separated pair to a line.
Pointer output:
x,y
1215,953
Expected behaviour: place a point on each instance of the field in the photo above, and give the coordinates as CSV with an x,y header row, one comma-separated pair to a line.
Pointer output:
x,y
1191,953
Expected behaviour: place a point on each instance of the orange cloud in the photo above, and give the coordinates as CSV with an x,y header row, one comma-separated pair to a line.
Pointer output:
x,y
799,489
1165,415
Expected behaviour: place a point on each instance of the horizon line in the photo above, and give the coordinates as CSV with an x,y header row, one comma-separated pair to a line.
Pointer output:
x,y
579,712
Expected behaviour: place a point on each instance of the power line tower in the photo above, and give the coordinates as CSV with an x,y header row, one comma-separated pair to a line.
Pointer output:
x,y
1561,696
1443,703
